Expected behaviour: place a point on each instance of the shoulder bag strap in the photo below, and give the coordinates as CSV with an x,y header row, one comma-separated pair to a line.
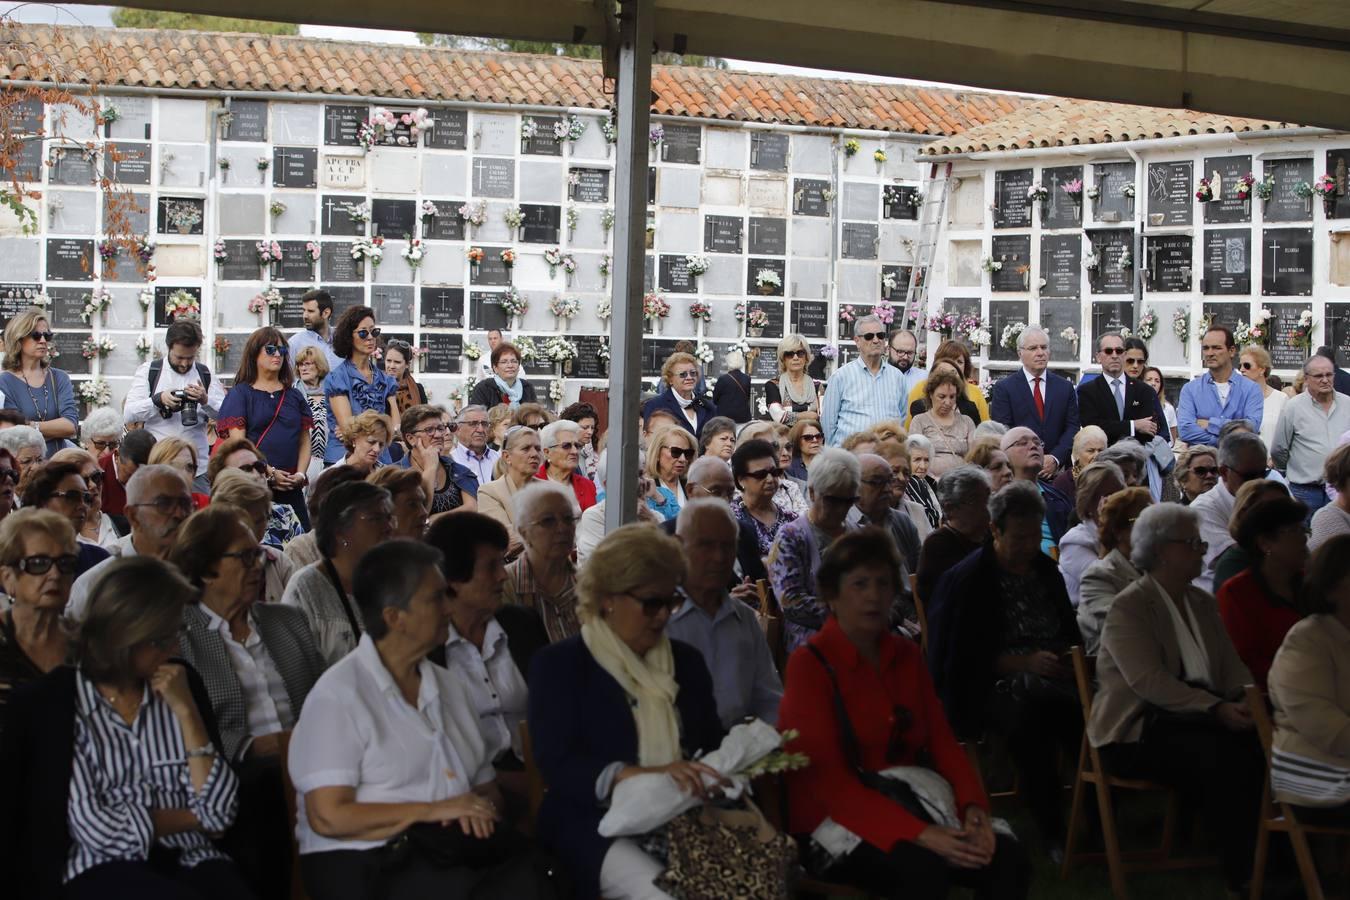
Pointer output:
x,y
332,574
846,733
281,401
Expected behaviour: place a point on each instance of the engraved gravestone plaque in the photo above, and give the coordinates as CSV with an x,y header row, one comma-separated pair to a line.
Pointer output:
x,y
1227,207
1227,261
1170,201
1286,262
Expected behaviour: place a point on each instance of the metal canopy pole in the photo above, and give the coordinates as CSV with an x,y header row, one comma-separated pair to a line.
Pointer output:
x,y
633,106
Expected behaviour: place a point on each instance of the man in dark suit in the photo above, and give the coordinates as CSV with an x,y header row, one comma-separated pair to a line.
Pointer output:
x,y
1116,403
1038,399
1342,381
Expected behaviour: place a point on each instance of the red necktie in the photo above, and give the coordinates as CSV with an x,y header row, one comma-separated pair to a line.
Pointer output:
x,y
1040,400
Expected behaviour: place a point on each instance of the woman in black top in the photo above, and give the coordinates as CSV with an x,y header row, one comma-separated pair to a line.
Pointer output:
x,y
793,391
731,391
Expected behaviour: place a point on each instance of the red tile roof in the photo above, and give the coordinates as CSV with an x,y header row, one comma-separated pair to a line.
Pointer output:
x,y
251,62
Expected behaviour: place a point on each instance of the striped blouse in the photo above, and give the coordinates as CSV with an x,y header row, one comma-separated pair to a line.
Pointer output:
x,y
121,772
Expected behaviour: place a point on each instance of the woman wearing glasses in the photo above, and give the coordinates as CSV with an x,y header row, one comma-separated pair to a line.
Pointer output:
x,y
37,567
617,700
430,435
1196,472
856,676
32,385
561,442
98,528
806,440
265,407
59,487
506,387
690,409
754,467
793,391
283,526
357,385
670,452
543,577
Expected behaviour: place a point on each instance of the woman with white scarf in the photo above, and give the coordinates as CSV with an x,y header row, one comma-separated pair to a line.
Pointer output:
x,y
618,700
505,386
1168,706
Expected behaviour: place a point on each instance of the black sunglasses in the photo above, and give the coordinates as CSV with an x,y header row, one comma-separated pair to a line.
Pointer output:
x,y
365,333
42,336
251,557
276,349
653,605
74,496
1202,471
793,354
776,472
41,565
680,452
9,475
1113,351
256,466
872,336
95,478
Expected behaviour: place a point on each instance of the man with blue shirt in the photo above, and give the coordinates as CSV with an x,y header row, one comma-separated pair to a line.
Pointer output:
x,y
1219,394
865,391
317,309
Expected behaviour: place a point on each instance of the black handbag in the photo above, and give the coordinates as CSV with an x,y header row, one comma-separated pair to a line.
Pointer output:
x,y
508,865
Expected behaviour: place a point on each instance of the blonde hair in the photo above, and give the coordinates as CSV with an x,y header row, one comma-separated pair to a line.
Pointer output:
x,y
312,354
860,437
762,430
20,327
626,560
672,362
239,488
788,344
513,437
166,450
1259,354
366,423
890,429
23,522
658,440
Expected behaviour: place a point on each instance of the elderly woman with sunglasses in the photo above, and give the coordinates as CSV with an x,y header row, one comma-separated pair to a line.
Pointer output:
x,y
755,470
357,385
561,443
98,528
793,391
266,407
861,700
670,452
690,409
283,526
32,385
61,488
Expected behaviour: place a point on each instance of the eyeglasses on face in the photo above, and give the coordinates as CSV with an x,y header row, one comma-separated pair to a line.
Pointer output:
x,y
256,466
794,354
94,478
872,336
42,564
168,505
439,428
878,482
1028,442
41,336
1204,471
687,375
366,334
761,474
680,452
276,349
569,446
1135,360
250,558
74,496
552,522
474,423
166,642
1113,351
814,437
721,491
1199,545
102,446
652,606
9,475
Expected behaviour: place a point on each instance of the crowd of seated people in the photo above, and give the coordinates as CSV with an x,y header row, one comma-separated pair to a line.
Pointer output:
x,y
424,646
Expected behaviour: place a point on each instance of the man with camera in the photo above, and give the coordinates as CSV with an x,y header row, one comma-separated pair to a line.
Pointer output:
x,y
176,395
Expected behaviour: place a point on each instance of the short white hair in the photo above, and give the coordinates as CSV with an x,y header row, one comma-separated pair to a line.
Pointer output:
x,y
835,471
551,434
699,471
1030,330
858,326
988,428
102,421
22,437
684,523
920,442
1155,526
138,485
735,360
528,499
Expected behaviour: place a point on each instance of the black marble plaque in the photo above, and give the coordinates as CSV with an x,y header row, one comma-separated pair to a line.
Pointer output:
x,y
72,165
494,177
1284,204
1012,209
1171,193
342,124
681,144
336,263
291,314
491,271
765,365
1014,252
544,142
242,264
450,131
1168,263
1056,316
1111,204
811,318
1227,207
28,159
722,234
345,296
442,307
541,224
15,298
1338,167
1061,266
248,121
193,207
162,293
1110,315
1284,354
1227,313
651,185
897,202
1111,276
773,265
70,259
1001,314
654,353
296,264
67,307
67,343
859,241
393,219
675,276
1338,331
1286,262
588,185
768,236
443,352
25,115
294,167
446,225
808,197
393,303
588,363
485,311
1061,210
1227,261
768,151
335,217
125,163
901,289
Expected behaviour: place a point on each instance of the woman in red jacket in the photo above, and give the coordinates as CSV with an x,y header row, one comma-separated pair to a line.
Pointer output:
x,y
1260,604
896,720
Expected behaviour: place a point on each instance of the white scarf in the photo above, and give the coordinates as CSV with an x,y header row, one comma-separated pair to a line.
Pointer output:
x,y
650,681
1194,658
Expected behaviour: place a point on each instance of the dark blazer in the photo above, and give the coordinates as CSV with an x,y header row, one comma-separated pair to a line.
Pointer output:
x,y
747,550
965,633
1097,406
286,634
1058,509
1342,381
1012,404
731,396
487,394
580,722
666,401
37,750
525,636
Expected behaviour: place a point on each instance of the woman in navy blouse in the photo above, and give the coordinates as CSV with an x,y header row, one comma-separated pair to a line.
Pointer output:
x,y
32,385
266,408
357,384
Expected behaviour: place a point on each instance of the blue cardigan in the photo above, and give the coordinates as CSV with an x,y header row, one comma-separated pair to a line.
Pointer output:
x,y
580,722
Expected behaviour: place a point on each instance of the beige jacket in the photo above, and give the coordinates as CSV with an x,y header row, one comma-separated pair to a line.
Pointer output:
x,y
1139,662
495,500
1309,685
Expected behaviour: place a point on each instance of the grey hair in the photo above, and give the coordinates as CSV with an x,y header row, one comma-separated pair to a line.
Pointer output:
x,y
735,360
1131,452
1109,334
1237,425
1030,330
138,485
529,498
858,326
388,576
1238,444
1307,362
551,434
711,505
472,407
22,437
1155,526
961,485
835,471
988,428
697,473
104,420
923,443
1018,499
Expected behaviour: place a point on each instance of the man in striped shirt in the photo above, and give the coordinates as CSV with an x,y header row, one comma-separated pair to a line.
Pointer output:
x,y
865,391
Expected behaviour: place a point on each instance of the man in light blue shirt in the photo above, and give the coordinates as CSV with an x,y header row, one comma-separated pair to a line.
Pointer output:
x,y
721,627
317,307
1218,394
866,391
903,346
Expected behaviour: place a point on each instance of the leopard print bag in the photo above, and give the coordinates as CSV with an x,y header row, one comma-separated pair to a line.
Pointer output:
x,y
728,854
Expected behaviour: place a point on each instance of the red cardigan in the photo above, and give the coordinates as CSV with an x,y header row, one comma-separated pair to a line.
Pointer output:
x,y
828,786
582,487
1255,622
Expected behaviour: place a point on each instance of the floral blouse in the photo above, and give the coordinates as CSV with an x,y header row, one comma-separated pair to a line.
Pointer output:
x,y
764,534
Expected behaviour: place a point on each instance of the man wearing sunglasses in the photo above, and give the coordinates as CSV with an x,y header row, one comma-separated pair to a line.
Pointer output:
x,y
161,388
865,391
1119,405
1218,394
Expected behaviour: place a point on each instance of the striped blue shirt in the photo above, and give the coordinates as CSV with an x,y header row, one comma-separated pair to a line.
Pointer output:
x,y
121,772
855,399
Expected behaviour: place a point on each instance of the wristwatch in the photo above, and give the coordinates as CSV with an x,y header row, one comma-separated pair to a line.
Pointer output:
x,y
207,751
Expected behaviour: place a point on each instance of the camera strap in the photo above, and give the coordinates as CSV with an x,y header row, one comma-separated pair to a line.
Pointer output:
x,y
157,369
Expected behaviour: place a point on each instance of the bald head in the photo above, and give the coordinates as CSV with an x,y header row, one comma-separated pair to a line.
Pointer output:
x,y
874,489
710,476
